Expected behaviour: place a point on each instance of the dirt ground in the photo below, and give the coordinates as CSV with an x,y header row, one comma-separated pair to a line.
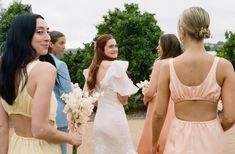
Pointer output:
x,y
136,127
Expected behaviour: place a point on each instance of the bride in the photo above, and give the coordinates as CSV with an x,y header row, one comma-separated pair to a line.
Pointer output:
x,y
108,75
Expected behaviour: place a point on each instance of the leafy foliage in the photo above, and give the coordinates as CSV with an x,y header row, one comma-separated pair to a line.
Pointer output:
x,y
77,61
228,49
8,15
137,36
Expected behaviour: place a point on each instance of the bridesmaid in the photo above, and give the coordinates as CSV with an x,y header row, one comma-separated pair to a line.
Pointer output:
x,y
195,81
26,92
168,47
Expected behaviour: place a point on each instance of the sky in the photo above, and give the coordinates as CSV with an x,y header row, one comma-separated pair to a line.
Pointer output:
x,y
77,18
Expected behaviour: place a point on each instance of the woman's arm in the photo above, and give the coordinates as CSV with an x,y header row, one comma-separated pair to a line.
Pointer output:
x,y
41,128
153,82
161,105
4,130
228,96
123,99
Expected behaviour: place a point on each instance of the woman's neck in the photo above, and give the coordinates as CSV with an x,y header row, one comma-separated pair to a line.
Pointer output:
x,y
195,46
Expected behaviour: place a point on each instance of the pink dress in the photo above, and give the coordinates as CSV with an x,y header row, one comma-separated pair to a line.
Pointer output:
x,y
145,143
196,137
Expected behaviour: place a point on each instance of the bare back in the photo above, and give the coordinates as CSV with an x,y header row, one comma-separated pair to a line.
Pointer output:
x,y
104,66
23,122
192,72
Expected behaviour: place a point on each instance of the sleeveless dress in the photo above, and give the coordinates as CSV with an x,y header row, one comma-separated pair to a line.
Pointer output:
x,y
145,143
196,137
23,106
111,131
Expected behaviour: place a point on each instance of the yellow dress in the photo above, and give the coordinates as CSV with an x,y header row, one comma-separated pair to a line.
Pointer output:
x,y
23,106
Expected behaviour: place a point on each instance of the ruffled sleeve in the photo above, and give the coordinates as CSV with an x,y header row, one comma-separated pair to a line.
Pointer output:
x,y
117,79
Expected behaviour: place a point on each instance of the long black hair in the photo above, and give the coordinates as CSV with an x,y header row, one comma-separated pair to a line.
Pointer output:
x,y
17,53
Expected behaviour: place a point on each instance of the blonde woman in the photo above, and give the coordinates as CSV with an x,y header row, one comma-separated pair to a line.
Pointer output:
x,y
195,81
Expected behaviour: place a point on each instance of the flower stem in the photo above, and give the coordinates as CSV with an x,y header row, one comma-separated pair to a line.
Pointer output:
x,y
74,150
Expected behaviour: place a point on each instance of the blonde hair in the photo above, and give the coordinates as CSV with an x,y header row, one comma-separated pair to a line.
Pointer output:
x,y
195,21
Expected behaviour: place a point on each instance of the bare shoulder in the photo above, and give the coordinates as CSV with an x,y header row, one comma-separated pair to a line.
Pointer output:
x,y
165,68
224,62
225,66
158,63
44,68
165,63
105,64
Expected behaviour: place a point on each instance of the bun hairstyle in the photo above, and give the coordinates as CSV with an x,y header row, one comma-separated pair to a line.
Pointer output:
x,y
195,21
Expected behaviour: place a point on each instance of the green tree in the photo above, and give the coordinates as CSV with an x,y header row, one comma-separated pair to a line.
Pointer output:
x,y
228,49
77,61
207,47
8,15
137,35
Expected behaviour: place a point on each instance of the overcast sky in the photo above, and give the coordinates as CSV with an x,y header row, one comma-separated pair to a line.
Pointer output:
x,y
77,18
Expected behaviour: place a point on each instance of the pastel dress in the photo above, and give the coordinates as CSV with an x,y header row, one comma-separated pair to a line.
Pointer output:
x,y
145,143
22,105
111,131
196,137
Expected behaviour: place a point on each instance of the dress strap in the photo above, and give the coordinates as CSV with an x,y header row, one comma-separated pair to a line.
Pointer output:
x,y
31,65
29,68
173,76
214,66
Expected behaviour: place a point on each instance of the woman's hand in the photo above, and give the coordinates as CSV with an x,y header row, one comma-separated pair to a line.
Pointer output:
x,y
144,90
76,136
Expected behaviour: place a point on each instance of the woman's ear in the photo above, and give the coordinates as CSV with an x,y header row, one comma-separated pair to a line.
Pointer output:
x,y
182,34
51,45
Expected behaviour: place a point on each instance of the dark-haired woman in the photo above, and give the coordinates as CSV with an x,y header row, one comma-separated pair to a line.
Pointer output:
x,y
26,90
168,47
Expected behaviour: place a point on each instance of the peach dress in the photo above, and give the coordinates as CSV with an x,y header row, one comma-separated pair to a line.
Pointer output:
x,y
145,143
196,137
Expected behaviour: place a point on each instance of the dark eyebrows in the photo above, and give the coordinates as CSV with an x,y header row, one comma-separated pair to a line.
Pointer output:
x,y
41,27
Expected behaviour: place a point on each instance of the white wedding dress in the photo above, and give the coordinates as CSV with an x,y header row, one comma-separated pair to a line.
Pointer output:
x,y
111,130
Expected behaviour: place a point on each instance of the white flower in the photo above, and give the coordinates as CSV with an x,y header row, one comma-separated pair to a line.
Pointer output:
x,y
143,84
79,106
219,106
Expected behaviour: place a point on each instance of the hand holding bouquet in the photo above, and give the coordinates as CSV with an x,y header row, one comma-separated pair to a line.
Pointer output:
x,y
79,106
